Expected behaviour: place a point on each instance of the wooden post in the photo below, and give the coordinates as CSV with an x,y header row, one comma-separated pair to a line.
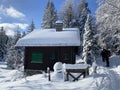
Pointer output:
x,y
48,71
84,74
87,71
67,78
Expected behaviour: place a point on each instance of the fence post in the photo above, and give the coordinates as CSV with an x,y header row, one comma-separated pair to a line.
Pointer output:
x,y
48,71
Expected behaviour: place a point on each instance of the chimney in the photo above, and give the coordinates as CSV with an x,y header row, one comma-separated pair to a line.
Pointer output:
x,y
59,25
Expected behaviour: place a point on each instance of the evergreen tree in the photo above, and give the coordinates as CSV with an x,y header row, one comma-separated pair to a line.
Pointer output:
x,y
83,11
14,54
80,20
67,13
31,27
89,42
3,42
50,16
23,34
75,16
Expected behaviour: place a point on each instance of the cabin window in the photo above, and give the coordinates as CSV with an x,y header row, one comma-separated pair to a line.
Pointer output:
x,y
37,58
53,56
65,56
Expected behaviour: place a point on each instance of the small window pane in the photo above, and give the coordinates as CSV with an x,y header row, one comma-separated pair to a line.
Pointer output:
x,y
37,58
65,56
52,56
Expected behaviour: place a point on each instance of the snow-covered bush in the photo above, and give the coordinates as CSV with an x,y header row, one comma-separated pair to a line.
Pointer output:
x,y
15,55
94,67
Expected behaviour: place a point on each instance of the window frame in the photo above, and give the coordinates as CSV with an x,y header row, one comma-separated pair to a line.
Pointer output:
x,y
36,55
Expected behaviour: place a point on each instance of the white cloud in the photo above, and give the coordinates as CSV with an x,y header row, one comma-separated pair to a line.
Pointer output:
x,y
14,25
11,12
11,27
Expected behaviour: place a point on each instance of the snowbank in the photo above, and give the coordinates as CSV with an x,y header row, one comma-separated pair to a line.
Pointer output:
x,y
114,61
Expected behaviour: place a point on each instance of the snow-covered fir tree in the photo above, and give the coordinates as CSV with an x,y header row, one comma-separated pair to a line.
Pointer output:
x,y
50,16
79,14
14,54
3,42
83,11
23,34
108,20
31,27
89,42
67,13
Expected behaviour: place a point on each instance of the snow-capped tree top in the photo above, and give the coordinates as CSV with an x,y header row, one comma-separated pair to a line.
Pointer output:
x,y
50,16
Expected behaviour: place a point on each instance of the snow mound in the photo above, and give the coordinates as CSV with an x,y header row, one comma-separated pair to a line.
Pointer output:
x,y
114,61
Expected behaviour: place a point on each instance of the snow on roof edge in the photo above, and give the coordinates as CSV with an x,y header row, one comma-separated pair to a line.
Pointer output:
x,y
72,38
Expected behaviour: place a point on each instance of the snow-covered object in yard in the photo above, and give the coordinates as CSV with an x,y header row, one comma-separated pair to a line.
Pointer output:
x,y
58,66
58,73
94,64
59,21
50,37
94,67
75,66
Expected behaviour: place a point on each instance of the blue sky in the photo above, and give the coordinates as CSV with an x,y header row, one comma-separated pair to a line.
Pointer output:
x,y
16,14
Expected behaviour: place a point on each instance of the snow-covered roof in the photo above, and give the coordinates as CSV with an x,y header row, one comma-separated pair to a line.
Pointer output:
x,y
50,37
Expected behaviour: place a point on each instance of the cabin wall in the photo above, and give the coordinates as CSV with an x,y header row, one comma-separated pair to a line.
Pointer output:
x,y
39,58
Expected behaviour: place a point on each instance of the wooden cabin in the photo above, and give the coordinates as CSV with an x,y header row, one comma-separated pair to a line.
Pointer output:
x,y
43,48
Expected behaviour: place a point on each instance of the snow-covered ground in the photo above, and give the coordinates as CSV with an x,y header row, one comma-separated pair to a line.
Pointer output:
x,y
106,78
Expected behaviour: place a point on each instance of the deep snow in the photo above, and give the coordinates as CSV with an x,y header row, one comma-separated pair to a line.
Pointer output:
x,y
106,78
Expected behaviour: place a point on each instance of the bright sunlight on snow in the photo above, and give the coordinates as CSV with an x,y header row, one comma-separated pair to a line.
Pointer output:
x,y
106,78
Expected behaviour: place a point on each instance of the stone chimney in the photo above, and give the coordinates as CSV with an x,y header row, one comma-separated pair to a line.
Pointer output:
x,y
59,25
